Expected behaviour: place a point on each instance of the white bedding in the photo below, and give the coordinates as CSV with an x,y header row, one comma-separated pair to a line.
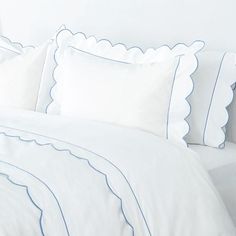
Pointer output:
x,y
221,165
64,177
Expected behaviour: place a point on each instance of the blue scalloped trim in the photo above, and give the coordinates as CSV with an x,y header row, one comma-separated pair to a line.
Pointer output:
x,y
82,148
89,163
54,196
16,45
127,48
223,128
191,92
30,197
190,106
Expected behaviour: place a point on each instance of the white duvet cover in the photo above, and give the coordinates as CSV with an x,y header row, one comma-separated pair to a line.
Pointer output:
x,y
62,177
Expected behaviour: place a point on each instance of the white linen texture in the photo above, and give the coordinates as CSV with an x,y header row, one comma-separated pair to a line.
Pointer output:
x,y
141,105
96,179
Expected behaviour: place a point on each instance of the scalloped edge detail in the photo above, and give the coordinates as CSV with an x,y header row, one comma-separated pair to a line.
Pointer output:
x,y
33,202
228,98
140,56
15,47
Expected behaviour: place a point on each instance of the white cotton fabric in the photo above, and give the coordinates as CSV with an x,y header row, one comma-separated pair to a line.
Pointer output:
x,y
211,96
178,108
127,94
20,74
174,194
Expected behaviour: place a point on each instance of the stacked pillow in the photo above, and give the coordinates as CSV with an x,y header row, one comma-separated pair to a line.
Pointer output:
x,y
79,76
20,74
211,96
96,80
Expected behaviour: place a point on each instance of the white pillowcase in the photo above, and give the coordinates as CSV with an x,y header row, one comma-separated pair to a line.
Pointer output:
x,y
20,74
155,102
133,95
211,96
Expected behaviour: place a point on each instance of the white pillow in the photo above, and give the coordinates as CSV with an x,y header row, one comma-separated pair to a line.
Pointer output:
x,y
21,70
20,74
211,96
127,94
161,111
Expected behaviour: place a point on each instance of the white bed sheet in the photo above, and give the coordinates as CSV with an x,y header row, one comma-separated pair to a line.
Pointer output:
x,y
221,165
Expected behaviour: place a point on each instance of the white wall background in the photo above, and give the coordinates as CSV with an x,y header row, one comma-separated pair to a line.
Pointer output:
x,y
145,23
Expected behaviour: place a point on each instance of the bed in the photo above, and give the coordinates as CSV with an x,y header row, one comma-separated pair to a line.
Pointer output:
x,y
136,146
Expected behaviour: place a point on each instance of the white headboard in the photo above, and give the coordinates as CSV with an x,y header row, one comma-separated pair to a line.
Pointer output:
x,y
145,23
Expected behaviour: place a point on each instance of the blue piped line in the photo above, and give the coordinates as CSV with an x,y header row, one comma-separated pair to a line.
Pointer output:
x,y
27,191
97,41
214,89
14,43
87,150
222,145
190,106
172,89
84,159
54,196
94,55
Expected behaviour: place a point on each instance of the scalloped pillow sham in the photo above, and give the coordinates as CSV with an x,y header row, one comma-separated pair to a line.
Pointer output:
x,y
212,94
152,105
133,95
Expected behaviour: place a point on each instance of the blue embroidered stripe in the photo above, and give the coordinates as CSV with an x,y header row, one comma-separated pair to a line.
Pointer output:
x,y
81,158
87,150
211,100
35,177
27,191
172,88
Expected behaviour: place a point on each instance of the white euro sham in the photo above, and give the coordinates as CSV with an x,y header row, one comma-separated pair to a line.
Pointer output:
x,y
178,109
